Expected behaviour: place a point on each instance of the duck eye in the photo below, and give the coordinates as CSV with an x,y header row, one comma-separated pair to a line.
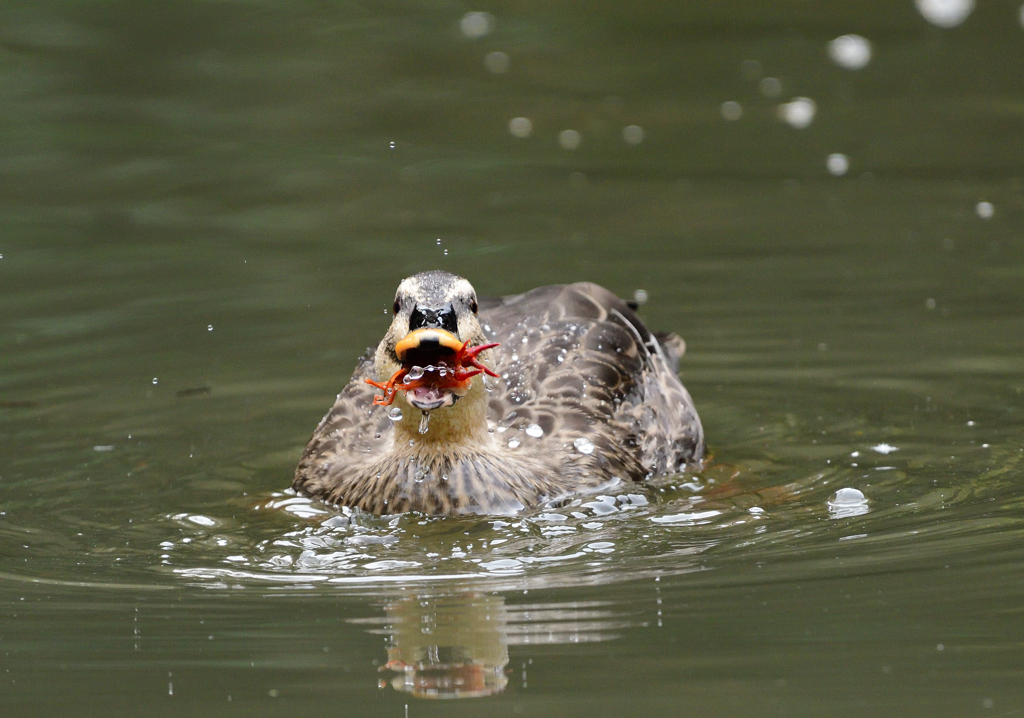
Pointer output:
x,y
472,306
396,307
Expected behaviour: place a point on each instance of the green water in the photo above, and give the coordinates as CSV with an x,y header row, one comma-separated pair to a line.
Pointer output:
x,y
202,222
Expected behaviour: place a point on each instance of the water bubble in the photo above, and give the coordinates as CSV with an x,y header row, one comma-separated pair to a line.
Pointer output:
x,y
985,210
640,297
847,502
476,24
520,127
535,431
513,443
569,139
731,111
945,13
584,445
395,414
497,62
633,134
850,51
770,86
798,112
415,373
837,164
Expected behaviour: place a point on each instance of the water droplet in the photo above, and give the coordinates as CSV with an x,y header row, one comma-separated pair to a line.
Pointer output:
x,y
850,51
847,502
415,373
439,241
985,210
476,24
770,86
424,422
884,448
569,139
497,62
584,445
395,414
731,111
520,127
945,13
155,380
209,327
535,431
751,69
798,112
442,372
392,145
446,252
633,134
513,443
837,164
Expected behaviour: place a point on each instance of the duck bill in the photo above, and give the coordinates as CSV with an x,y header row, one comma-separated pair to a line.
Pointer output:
x,y
428,346
428,398
430,355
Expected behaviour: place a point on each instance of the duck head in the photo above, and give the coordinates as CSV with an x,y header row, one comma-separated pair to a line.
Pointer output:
x,y
430,352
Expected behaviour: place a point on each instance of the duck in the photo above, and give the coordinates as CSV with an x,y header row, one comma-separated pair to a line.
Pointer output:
x,y
491,406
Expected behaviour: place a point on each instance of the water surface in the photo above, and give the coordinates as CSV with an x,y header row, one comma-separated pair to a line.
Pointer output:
x,y
207,207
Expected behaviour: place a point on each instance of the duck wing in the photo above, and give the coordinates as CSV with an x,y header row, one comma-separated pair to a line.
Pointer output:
x,y
579,363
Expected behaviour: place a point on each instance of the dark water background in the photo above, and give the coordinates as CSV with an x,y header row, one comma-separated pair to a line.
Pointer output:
x,y
202,222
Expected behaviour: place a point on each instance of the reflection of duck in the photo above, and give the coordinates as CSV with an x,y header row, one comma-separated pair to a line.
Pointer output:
x,y
456,644
448,646
585,394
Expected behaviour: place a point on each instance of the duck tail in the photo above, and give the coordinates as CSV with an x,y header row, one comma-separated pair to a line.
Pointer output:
x,y
673,346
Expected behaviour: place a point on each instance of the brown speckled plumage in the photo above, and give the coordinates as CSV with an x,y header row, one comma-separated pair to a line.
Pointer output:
x,y
574,359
